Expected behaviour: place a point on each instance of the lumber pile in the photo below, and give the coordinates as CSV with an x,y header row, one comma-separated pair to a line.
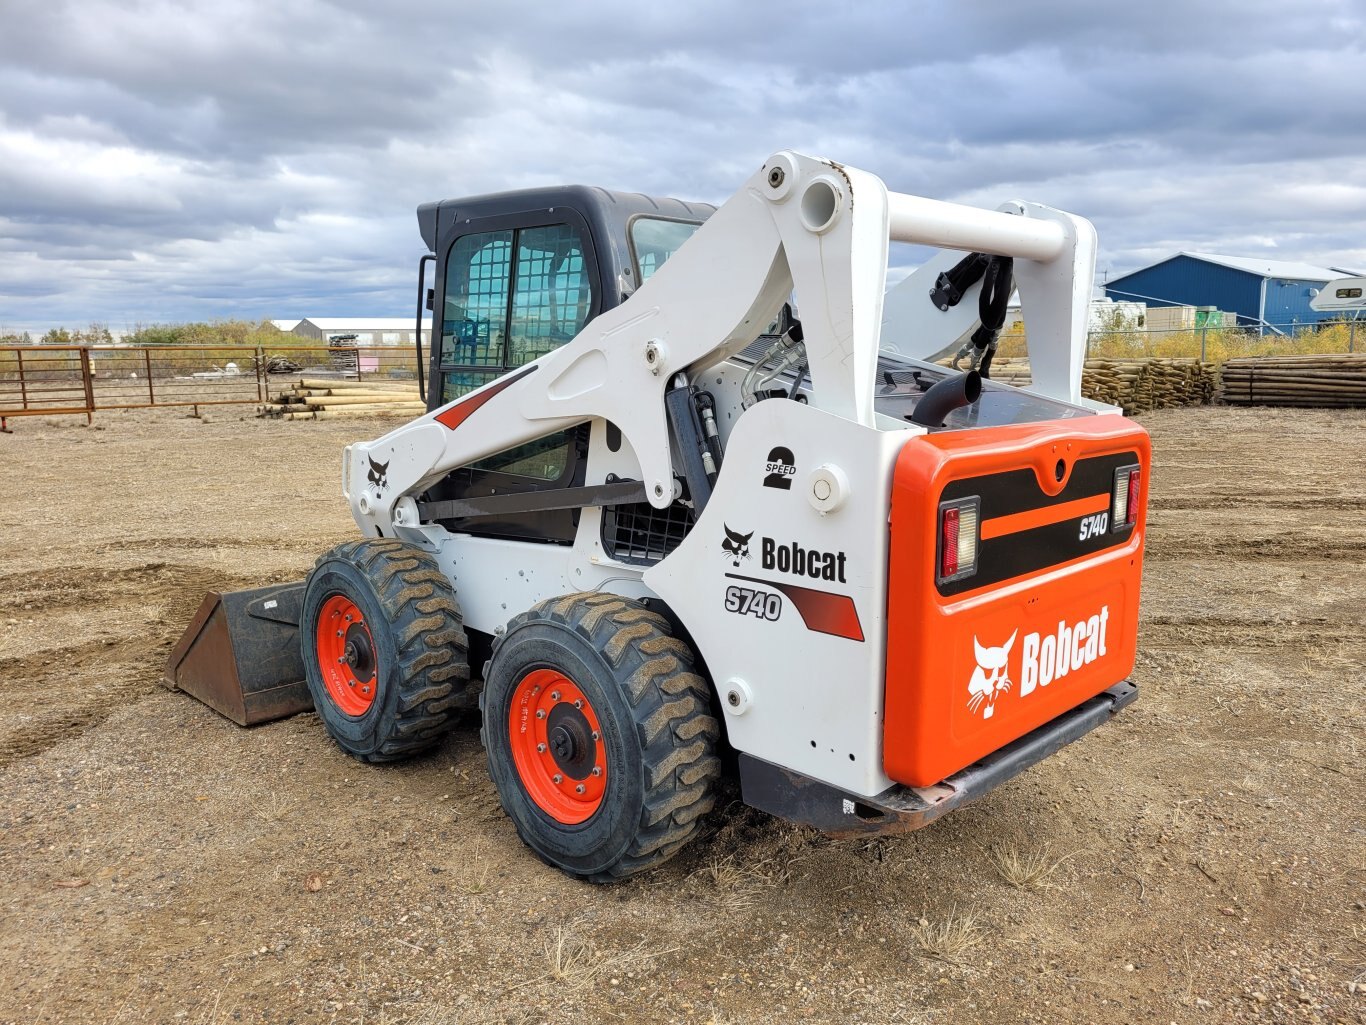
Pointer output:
x,y
321,399
1011,370
1137,385
1331,381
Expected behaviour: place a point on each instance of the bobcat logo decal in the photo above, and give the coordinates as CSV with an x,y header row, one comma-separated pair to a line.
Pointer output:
x,y
379,473
736,546
991,678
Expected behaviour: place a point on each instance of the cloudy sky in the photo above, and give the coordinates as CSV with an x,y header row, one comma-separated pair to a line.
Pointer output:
x,y
163,160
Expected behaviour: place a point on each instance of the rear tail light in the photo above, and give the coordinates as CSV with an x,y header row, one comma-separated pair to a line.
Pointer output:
x,y
958,539
1124,505
948,543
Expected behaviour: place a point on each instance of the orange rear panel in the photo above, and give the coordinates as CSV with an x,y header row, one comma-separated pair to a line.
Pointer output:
x,y
1050,616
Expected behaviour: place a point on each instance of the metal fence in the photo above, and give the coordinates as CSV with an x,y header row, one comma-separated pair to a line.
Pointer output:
x,y
65,379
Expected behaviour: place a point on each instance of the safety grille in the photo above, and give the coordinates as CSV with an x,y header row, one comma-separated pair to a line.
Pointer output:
x,y
641,534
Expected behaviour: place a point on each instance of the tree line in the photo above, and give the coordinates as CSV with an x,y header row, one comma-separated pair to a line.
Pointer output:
x,y
200,333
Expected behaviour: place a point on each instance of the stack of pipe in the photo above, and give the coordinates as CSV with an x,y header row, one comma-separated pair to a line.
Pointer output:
x,y
1332,381
322,399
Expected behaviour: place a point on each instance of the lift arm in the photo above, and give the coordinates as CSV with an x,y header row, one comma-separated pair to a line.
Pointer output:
x,y
800,225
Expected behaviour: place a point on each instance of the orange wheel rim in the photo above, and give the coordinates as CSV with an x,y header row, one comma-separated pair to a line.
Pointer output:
x,y
346,655
557,746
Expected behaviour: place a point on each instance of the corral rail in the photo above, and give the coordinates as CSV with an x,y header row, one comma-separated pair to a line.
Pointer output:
x,y
75,379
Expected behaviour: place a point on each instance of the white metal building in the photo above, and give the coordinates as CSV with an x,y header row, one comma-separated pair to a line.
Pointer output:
x,y
368,330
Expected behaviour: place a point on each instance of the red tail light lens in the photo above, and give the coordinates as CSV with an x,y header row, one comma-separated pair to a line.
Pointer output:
x,y
1124,503
948,543
958,539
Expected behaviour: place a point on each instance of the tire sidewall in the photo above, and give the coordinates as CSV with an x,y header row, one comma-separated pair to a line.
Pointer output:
x,y
362,734
600,841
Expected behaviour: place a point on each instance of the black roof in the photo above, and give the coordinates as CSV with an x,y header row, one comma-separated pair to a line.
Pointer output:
x,y
600,205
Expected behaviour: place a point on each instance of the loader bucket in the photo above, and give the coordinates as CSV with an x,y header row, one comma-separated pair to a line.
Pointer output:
x,y
240,654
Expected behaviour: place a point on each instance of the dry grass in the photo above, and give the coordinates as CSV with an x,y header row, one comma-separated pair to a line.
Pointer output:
x,y
277,807
738,884
1025,870
473,877
574,963
1219,343
570,959
457,1016
949,938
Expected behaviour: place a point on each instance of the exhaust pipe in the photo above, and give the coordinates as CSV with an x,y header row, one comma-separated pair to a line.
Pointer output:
x,y
946,396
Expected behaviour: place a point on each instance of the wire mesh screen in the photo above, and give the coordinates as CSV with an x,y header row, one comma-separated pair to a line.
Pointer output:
x,y
640,533
550,296
476,299
550,300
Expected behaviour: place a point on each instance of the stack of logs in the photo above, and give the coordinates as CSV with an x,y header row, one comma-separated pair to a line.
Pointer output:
x,y
1326,380
1136,385
321,399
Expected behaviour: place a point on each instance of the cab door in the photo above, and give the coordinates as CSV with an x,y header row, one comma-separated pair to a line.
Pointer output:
x,y
509,289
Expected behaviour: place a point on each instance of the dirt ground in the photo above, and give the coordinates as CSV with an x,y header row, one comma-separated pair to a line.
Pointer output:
x,y
1201,859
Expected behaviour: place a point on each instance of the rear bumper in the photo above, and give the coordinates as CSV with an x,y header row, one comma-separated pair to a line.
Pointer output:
x,y
901,809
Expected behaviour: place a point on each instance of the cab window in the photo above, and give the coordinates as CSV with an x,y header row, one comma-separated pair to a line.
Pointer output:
x,y
542,460
510,298
654,240
474,321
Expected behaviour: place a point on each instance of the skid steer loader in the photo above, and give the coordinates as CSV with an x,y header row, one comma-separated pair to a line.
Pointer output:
x,y
685,490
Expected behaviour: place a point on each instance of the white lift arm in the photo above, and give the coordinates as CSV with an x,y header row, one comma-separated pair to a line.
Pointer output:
x,y
800,225
1054,281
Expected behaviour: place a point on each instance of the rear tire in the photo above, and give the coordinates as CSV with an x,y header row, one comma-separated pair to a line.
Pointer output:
x,y
595,681
384,648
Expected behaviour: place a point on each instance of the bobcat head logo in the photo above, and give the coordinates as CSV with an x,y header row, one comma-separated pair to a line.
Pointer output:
x,y
379,473
736,546
990,679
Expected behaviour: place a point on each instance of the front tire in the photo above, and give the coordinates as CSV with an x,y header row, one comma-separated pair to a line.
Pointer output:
x,y
384,649
599,735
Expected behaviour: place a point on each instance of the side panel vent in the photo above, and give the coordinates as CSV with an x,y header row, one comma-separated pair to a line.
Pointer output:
x,y
641,534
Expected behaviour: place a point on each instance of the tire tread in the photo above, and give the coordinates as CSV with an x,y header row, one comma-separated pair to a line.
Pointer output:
x,y
671,707
432,673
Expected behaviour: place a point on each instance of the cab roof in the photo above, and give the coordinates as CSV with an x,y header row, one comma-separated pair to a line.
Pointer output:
x,y
599,206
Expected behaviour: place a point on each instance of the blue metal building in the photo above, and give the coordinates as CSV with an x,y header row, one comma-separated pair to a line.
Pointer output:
x,y
1271,294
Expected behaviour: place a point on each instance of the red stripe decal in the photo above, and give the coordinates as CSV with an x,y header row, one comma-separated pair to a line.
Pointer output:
x,y
821,611
458,414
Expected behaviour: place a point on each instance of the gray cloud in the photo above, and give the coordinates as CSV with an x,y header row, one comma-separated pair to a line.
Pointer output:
x,y
165,160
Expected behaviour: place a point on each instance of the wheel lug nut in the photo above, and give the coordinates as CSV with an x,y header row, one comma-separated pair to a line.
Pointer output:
x,y
578,789
596,736
597,770
578,704
558,778
540,749
540,713
340,634
554,695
